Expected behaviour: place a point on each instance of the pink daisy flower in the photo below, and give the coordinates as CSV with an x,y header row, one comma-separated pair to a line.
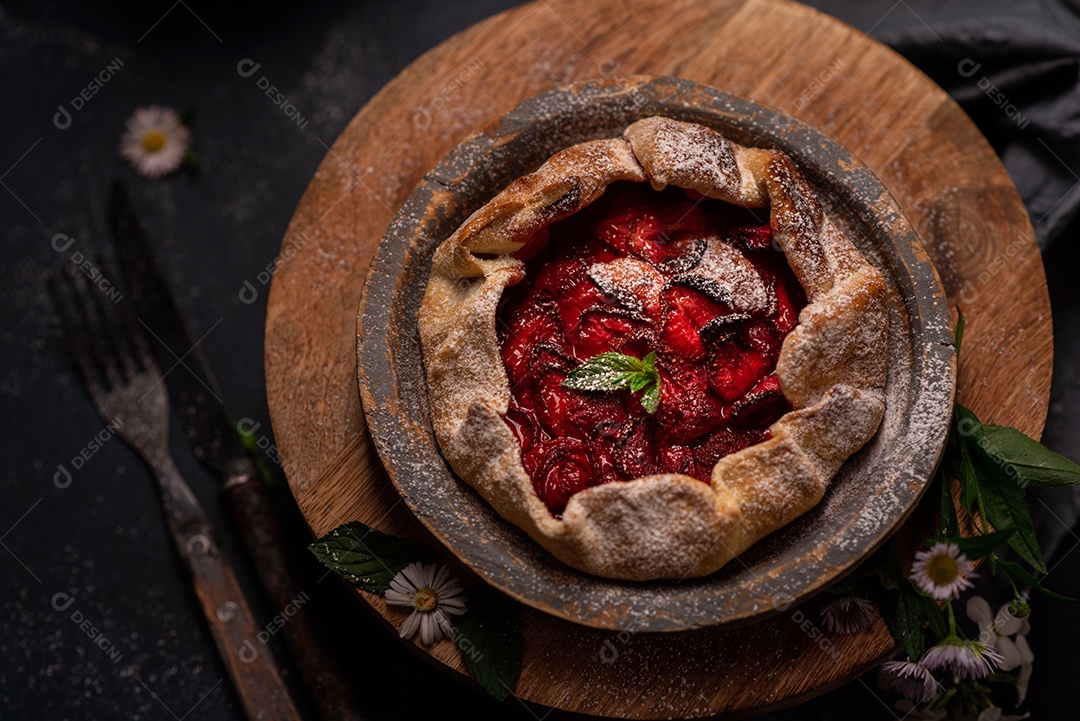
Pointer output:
x,y
848,614
155,141
911,679
967,659
942,571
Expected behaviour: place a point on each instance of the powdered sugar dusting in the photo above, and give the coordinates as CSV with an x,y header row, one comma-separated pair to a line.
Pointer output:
x,y
685,154
871,483
733,271
634,282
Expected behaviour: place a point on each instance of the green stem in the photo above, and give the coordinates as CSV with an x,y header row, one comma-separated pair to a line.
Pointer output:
x,y
952,618
993,558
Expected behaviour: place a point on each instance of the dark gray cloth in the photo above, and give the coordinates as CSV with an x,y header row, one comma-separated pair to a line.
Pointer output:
x,y
1013,67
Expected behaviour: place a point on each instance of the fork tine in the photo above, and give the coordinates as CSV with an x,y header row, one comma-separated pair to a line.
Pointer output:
x,y
142,346
129,332
65,300
96,325
110,314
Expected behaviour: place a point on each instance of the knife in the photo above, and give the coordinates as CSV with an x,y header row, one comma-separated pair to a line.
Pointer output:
x,y
212,436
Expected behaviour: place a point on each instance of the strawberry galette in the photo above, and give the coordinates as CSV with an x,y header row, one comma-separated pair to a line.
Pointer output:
x,y
653,351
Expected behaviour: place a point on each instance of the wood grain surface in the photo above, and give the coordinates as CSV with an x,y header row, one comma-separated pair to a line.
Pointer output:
x,y
931,157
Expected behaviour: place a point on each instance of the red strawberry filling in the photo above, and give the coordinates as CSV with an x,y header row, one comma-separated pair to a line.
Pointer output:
x,y
696,281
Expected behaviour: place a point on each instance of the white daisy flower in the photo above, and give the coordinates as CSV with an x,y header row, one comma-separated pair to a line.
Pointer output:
x,y
942,571
995,626
1027,659
996,630
432,594
155,141
967,659
848,614
911,679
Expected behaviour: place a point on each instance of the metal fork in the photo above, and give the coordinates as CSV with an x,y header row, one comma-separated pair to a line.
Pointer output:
x,y
114,360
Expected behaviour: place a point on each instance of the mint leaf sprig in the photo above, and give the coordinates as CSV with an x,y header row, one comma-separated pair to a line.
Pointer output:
x,y
367,558
613,371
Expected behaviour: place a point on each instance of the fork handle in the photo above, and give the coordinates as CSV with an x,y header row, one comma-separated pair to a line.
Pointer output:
x,y
249,502
249,661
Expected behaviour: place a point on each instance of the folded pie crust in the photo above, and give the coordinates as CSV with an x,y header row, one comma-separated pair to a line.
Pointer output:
x,y
832,366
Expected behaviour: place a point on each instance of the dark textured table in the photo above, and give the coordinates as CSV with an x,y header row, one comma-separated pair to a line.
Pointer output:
x,y
98,620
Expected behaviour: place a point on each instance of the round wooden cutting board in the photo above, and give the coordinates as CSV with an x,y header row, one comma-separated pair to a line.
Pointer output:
x,y
930,156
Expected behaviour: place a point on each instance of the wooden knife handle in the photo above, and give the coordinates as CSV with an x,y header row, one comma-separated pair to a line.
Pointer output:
x,y
252,668
249,502
250,664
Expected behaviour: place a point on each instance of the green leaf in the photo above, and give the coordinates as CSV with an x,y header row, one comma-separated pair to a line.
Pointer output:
x,y
939,625
1002,496
605,372
903,614
1007,507
613,371
978,546
889,571
950,526
970,493
966,423
959,458
367,558
899,602
1026,460
1020,575
650,399
489,636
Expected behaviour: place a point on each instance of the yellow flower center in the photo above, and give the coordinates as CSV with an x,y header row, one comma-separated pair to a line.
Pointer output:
x,y
942,569
153,141
426,600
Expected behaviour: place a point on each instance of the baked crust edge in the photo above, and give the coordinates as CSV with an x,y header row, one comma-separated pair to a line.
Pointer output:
x,y
832,366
